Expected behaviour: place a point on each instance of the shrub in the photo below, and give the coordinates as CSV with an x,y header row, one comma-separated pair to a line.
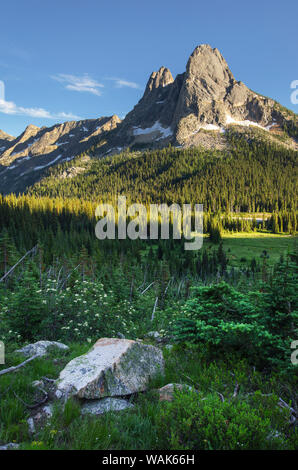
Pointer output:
x,y
193,423
258,325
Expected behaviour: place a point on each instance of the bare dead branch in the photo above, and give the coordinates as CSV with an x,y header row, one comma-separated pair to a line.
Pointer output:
x,y
13,368
220,394
37,404
148,287
48,380
167,287
67,277
20,260
236,390
154,308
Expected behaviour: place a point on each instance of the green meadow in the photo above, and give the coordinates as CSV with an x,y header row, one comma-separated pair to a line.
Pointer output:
x,y
242,247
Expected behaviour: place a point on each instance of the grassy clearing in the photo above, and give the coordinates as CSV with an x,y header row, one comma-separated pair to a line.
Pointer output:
x,y
200,420
248,245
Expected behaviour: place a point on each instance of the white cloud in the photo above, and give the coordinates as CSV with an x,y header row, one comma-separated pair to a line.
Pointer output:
x,y
9,107
120,83
82,84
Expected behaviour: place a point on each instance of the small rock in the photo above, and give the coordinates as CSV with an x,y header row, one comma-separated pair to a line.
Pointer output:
x,y
10,446
153,334
167,393
47,410
169,347
31,425
97,407
157,337
40,419
59,394
40,348
37,383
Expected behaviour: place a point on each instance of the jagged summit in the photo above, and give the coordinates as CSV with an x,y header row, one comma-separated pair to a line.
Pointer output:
x,y
4,135
5,140
159,79
31,127
208,62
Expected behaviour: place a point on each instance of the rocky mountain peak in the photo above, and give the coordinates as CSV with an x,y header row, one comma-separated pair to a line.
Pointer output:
x,y
5,136
195,109
206,97
206,62
30,131
159,79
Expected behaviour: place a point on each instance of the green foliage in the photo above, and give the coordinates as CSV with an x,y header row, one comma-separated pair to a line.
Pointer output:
x,y
206,423
231,315
22,310
82,311
258,325
251,420
249,177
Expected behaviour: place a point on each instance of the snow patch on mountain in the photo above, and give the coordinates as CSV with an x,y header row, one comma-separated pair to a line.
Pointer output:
x,y
165,131
247,123
62,143
48,164
210,127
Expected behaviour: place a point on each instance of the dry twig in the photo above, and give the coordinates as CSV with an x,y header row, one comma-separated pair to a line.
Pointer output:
x,y
13,368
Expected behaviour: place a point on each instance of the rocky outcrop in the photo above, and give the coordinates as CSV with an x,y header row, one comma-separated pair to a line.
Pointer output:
x,y
211,98
41,348
167,393
150,119
113,367
5,140
158,80
23,160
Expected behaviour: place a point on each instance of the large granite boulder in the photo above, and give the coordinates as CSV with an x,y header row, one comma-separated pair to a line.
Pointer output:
x,y
113,367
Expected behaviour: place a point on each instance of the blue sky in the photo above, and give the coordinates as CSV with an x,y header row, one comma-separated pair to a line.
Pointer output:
x,y
67,59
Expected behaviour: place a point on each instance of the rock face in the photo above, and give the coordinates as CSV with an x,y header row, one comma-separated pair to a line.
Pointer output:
x,y
41,348
98,407
113,367
24,159
206,96
150,119
210,98
4,141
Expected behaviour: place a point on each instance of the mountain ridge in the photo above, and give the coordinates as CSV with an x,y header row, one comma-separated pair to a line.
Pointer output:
x,y
193,109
